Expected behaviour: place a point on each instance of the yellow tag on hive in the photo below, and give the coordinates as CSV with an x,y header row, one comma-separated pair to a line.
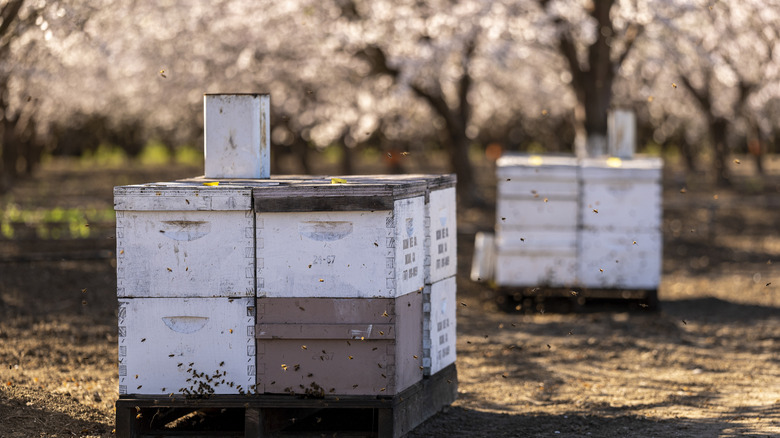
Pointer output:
x,y
338,181
535,160
215,183
614,162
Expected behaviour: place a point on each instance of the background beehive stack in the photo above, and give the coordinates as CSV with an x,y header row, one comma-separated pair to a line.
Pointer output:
x,y
620,241
536,220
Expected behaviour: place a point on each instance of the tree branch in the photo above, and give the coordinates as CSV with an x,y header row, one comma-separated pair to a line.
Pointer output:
x,y
9,13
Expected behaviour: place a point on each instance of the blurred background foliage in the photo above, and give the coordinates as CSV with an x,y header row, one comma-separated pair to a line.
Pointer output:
x,y
112,80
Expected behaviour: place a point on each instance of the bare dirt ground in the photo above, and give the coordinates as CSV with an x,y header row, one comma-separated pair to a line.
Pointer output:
x,y
706,364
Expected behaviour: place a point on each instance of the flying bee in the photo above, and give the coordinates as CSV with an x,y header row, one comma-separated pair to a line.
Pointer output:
x,y
385,313
303,347
162,73
143,340
595,211
296,367
674,85
284,367
350,357
414,356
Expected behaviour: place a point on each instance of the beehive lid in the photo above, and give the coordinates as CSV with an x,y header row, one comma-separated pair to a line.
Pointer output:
x,y
337,194
535,166
183,196
612,168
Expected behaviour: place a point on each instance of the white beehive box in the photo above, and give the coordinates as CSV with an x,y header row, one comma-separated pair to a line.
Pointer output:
x,y
340,240
439,325
186,345
237,135
440,219
620,259
625,193
184,240
536,192
534,257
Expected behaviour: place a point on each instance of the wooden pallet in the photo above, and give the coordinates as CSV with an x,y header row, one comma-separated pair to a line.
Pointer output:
x,y
560,299
285,415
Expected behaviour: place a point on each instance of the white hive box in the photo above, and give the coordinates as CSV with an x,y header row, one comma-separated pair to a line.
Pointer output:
x,y
317,239
626,194
613,260
237,135
439,325
186,345
440,219
536,257
537,192
184,240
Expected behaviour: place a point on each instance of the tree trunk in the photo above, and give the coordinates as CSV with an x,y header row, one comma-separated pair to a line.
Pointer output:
x,y
718,131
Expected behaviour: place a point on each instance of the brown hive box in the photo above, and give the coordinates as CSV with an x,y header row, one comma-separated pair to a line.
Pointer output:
x,y
342,346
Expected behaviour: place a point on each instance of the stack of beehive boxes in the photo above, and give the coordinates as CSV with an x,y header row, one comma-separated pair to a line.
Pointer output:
x,y
297,285
536,221
564,222
620,244
185,262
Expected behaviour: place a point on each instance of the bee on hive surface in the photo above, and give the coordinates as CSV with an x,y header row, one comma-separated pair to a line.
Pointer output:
x,y
222,363
143,340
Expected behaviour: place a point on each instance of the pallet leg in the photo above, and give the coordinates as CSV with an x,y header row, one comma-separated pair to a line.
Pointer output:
x,y
253,423
126,424
385,424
